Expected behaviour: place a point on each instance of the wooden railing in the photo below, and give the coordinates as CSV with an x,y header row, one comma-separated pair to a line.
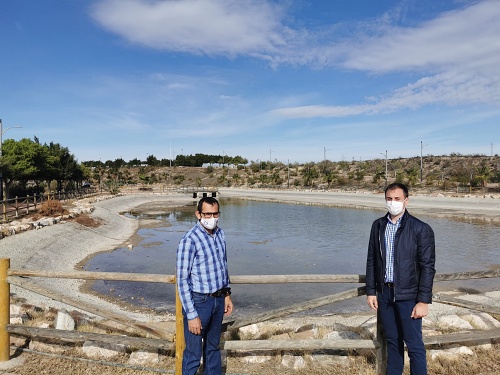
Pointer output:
x,y
13,208
168,341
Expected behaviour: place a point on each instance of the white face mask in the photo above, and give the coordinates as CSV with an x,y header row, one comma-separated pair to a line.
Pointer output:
x,y
394,207
209,223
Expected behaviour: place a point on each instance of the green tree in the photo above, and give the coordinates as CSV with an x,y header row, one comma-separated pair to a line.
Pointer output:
x,y
22,161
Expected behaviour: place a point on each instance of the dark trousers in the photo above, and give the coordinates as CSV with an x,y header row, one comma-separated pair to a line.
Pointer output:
x,y
401,329
206,346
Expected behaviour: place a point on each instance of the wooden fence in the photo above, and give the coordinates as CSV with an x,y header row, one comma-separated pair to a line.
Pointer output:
x,y
15,207
168,341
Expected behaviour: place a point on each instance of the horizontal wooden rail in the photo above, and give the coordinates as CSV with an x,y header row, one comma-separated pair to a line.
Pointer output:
x,y
299,344
76,336
241,279
449,338
463,337
88,275
285,279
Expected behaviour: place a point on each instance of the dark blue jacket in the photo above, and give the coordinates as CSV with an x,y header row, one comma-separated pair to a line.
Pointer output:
x,y
414,259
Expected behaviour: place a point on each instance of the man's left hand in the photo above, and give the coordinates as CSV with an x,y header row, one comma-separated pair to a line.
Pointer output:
x,y
228,306
420,310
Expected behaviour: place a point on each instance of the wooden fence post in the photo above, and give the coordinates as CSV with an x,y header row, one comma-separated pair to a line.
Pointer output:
x,y
381,365
4,310
180,344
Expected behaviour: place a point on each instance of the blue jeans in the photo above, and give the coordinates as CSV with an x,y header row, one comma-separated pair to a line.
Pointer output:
x,y
211,312
400,328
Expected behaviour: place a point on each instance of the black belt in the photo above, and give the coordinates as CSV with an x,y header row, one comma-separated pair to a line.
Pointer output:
x,y
218,293
389,285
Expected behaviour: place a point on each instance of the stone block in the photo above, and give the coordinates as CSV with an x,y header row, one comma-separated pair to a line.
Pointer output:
x,y
143,358
96,349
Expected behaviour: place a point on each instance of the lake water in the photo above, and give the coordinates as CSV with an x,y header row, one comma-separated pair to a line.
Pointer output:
x,y
282,239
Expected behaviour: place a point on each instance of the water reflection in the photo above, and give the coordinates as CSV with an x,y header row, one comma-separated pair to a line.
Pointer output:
x,y
272,238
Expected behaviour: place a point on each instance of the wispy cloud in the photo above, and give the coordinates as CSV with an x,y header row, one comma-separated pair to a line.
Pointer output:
x,y
456,55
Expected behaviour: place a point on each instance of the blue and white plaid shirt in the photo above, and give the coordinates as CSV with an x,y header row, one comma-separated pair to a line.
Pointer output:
x,y
390,235
201,265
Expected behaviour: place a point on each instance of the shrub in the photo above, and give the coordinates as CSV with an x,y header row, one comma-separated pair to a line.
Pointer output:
x,y
52,208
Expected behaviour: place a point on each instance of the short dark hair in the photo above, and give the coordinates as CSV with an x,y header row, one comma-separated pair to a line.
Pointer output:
x,y
208,200
397,185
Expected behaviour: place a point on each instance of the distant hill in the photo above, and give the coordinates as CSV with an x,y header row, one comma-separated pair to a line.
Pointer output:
x,y
453,173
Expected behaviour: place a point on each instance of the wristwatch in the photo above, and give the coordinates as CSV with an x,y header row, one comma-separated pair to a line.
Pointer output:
x,y
226,291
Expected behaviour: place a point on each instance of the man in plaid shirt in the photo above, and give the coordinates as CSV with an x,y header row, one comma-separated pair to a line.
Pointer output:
x,y
204,289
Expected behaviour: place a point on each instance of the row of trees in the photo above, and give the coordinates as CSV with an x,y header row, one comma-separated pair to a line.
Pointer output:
x,y
196,160
29,167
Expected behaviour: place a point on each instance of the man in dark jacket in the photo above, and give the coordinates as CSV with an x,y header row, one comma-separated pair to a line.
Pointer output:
x,y
399,278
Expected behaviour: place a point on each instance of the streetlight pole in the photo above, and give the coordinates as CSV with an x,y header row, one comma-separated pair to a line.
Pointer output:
x,y
324,160
288,165
421,162
385,167
270,159
1,145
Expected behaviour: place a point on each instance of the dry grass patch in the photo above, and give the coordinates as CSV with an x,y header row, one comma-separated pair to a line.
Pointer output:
x,y
87,221
50,208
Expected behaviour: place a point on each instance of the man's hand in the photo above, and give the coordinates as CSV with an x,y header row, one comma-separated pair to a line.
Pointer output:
x,y
194,326
372,302
228,306
420,310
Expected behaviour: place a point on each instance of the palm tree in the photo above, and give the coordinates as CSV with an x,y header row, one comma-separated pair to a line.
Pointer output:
x,y
483,174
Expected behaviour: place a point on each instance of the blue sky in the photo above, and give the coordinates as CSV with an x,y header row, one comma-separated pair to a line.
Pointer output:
x,y
288,80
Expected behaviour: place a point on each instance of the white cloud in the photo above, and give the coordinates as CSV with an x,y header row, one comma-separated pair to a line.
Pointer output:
x,y
212,27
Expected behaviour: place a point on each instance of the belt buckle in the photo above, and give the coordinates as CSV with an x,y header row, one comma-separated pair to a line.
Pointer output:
x,y
390,285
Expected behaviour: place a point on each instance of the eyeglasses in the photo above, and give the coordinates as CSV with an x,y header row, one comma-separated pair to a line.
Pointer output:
x,y
208,215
